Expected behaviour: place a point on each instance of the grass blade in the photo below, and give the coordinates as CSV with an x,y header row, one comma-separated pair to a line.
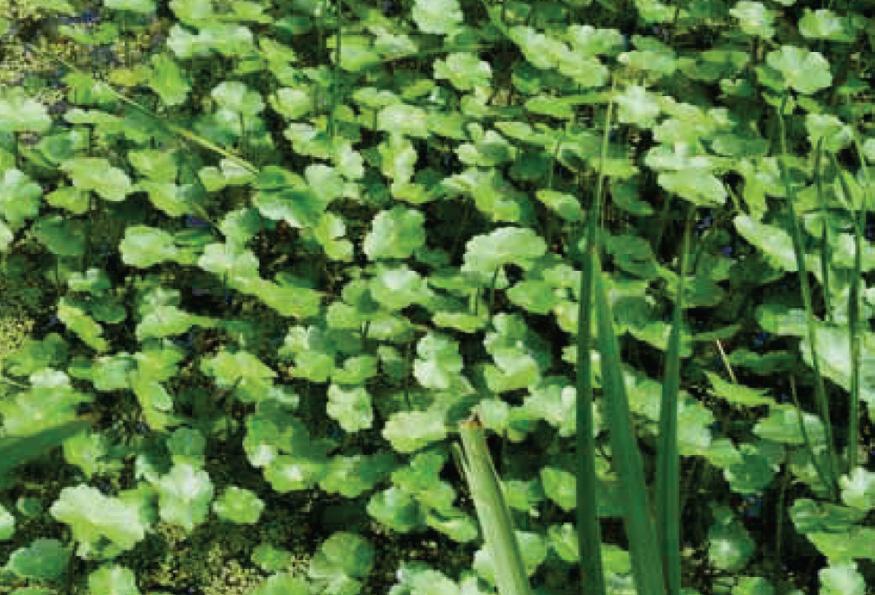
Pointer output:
x,y
825,240
643,547
492,511
667,459
589,540
854,347
805,290
17,451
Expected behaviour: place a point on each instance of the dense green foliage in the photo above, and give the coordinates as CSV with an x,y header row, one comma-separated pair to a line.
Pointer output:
x,y
275,251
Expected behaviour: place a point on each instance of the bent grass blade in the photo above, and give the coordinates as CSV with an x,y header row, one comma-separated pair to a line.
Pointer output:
x,y
492,511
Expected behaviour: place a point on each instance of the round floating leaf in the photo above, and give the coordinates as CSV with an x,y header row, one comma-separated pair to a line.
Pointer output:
x,y
42,560
803,71
351,408
184,496
841,579
20,113
484,254
754,18
94,519
282,584
395,233
440,17
825,24
858,489
408,431
238,505
112,580
97,175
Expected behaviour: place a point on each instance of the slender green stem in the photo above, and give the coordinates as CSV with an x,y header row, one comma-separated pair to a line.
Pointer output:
x,y
805,290
335,72
668,459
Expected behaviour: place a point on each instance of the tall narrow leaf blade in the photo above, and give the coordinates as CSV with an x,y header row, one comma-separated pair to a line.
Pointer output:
x,y
668,459
853,316
643,547
589,540
492,511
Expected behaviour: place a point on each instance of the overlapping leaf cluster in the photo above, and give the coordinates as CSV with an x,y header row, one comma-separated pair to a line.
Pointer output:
x,y
287,246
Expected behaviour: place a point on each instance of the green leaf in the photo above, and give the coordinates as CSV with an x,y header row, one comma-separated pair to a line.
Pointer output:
x,y
19,198
169,321
564,205
408,431
775,243
736,394
292,103
403,119
802,70
699,186
858,489
112,580
282,584
42,560
351,408
538,297
81,324
754,19
97,175
833,134
238,98
240,370
398,287
340,564
841,579
167,79
753,585
20,113
239,506
7,521
484,254
441,17
635,105
103,526
60,235
730,546
438,362
825,24
782,425
184,496
464,70
395,233
144,247
135,6
396,509
560,486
